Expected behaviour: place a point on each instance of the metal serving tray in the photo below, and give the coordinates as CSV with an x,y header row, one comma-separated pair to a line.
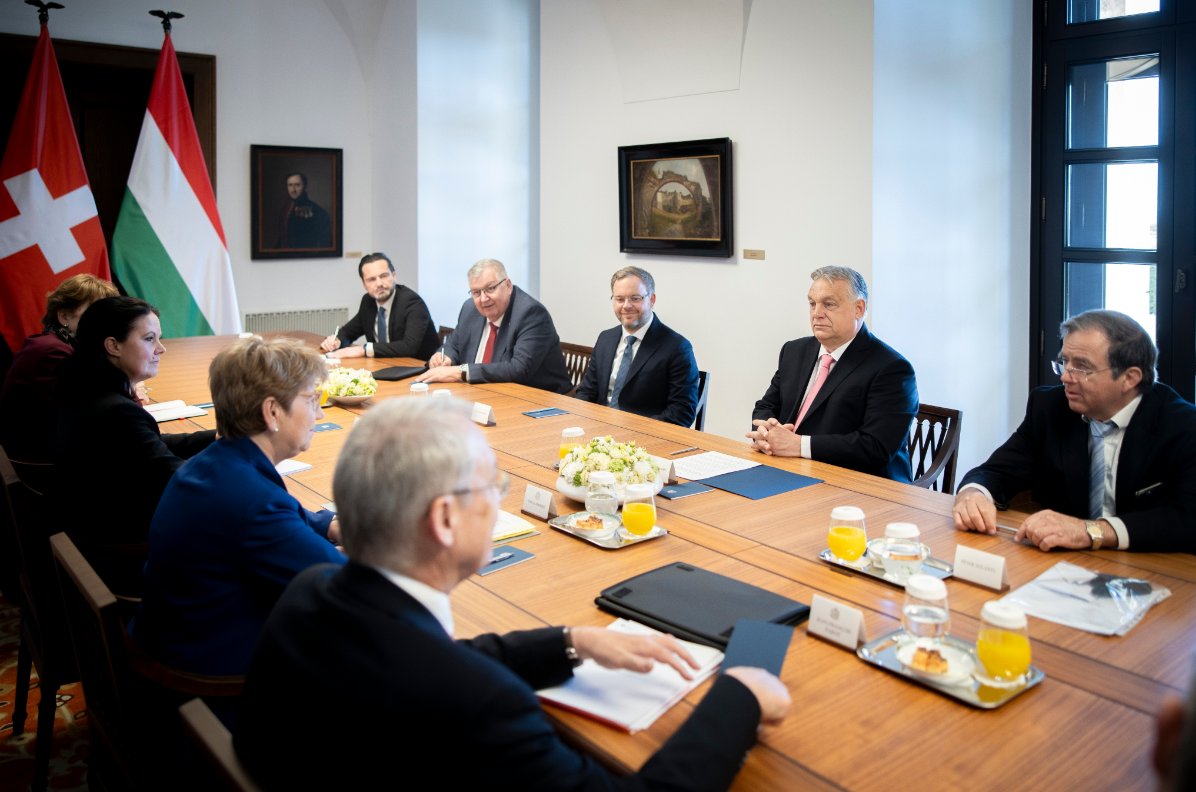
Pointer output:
x,y
931,566
883,653
612,539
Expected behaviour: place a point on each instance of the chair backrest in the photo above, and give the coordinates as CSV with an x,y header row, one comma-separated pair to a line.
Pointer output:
x,y
934,447
577,360
215,746
444,332
703,397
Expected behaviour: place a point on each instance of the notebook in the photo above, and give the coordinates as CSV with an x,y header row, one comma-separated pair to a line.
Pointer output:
x,y
695,604
394,373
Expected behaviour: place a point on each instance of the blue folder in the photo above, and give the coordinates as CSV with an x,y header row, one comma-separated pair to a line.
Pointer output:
x,y
759,482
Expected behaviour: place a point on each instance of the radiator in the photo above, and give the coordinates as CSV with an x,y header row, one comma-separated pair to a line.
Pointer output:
x,y
320,320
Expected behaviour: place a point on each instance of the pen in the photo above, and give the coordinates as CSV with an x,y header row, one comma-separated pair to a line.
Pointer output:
x,y
499,557
683,450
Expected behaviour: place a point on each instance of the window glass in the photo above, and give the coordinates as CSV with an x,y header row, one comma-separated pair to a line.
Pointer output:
x,y
1112,205
1113,103
1129,288
1094,10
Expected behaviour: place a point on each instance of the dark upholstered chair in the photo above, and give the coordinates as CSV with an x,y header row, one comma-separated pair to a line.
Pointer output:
x,y
934,447
703,397
444,332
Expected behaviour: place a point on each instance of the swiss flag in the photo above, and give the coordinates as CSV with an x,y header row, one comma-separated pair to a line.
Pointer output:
x,y
49,228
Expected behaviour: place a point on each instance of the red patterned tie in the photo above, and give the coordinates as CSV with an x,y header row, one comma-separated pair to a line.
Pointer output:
x,y
824,368
488,352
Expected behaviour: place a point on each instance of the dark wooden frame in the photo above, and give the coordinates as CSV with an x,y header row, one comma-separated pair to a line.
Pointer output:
x,y
269,167
638,188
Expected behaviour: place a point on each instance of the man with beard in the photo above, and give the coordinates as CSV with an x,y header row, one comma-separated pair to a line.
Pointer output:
x,y
393,318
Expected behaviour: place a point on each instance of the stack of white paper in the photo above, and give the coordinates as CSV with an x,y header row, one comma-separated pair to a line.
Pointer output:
x,y
173,410
626,699
711,463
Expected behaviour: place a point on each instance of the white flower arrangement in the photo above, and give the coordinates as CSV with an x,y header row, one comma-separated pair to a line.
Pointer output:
x,y
630,463
350,382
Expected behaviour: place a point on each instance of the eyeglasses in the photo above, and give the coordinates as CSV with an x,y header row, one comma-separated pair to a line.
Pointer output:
x,y
1059,366
317,398
488,290
634,299
501,485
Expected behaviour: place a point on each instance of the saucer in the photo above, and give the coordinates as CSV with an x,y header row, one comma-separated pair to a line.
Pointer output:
x,y
959,663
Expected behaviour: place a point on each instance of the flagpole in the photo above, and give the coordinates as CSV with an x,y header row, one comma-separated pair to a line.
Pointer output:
x,y
43,9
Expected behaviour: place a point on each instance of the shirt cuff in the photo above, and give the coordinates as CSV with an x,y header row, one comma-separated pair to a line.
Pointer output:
x,y
805,447
369,349
975,486
1123,536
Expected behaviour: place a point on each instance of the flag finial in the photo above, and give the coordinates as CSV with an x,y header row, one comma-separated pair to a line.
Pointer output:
x,y
43,9
165,16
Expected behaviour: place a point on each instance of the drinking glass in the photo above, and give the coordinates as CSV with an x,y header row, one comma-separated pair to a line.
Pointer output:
x,y
1003,645
570,439
639,509
847,537
600,493
925,613
419,389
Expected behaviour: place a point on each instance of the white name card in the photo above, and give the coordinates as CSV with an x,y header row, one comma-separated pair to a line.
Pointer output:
x,y
667,474
836,622
483,414
984,569
538,502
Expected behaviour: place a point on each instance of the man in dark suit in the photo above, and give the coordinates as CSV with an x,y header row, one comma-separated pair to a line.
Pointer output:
x,y
503,335
1110,453
842,396
419,493
405,329
661,376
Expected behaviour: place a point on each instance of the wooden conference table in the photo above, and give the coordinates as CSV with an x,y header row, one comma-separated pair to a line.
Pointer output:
x,y
1089,725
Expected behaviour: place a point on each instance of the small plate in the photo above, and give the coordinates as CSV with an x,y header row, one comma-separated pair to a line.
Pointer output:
x,y
959,663
931,566
348,401
612,539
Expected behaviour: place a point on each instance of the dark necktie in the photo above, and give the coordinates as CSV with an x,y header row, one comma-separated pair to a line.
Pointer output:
x,y
1096,466
380,330
624,370
488,352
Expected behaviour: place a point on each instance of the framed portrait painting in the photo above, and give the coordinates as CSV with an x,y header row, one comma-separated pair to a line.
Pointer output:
x,y
675,198
296,202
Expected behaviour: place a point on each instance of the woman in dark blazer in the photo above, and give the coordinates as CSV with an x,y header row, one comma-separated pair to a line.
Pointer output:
x,y
227,536
111,462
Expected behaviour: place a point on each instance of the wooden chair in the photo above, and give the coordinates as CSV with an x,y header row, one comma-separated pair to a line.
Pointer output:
x,y
444,332
45,638
703,397
215,746
577,360
934,447
132,700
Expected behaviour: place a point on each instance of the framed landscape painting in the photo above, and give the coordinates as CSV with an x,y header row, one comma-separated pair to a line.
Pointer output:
x,y
675,198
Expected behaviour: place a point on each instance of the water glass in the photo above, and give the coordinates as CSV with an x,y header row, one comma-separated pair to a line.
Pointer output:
x,y
925,613
600,493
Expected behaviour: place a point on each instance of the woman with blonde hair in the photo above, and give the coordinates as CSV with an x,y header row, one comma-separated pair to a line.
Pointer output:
x,y
227,536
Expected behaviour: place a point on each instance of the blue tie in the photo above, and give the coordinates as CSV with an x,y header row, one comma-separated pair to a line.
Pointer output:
x,y
1096,466
380,331
624,369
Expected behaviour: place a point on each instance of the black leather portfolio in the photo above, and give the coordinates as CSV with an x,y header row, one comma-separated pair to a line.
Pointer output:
x,y
695,604
398,372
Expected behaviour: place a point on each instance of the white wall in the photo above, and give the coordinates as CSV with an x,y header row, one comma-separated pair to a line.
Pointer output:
x,y
951,205
288,72
801,125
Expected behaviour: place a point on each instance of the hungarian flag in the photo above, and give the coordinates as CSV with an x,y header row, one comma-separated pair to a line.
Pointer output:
x,y
168,246
49,228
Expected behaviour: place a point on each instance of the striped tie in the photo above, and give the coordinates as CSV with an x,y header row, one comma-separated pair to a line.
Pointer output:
x,y
1096,466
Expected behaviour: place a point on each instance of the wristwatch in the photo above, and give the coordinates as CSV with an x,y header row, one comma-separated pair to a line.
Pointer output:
x,y
1094,531
464,372
570,650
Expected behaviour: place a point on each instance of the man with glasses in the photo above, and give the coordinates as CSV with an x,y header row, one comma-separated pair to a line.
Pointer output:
x,y
641,366
418,495
1110,453
393,318
503,335
842,395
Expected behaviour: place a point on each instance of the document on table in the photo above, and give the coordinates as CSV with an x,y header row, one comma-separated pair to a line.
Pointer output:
x,y
509,526
625,699
1076,597
173,410
288,466
711,463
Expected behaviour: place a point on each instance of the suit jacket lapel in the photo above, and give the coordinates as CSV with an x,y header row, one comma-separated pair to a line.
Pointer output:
x,y
647,348
1135,450
604,359
851,359
502,348
807,355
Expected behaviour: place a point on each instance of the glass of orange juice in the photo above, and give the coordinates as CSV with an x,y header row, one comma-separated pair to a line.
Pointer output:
x,y
1003,645
639,509
570,439
847,537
